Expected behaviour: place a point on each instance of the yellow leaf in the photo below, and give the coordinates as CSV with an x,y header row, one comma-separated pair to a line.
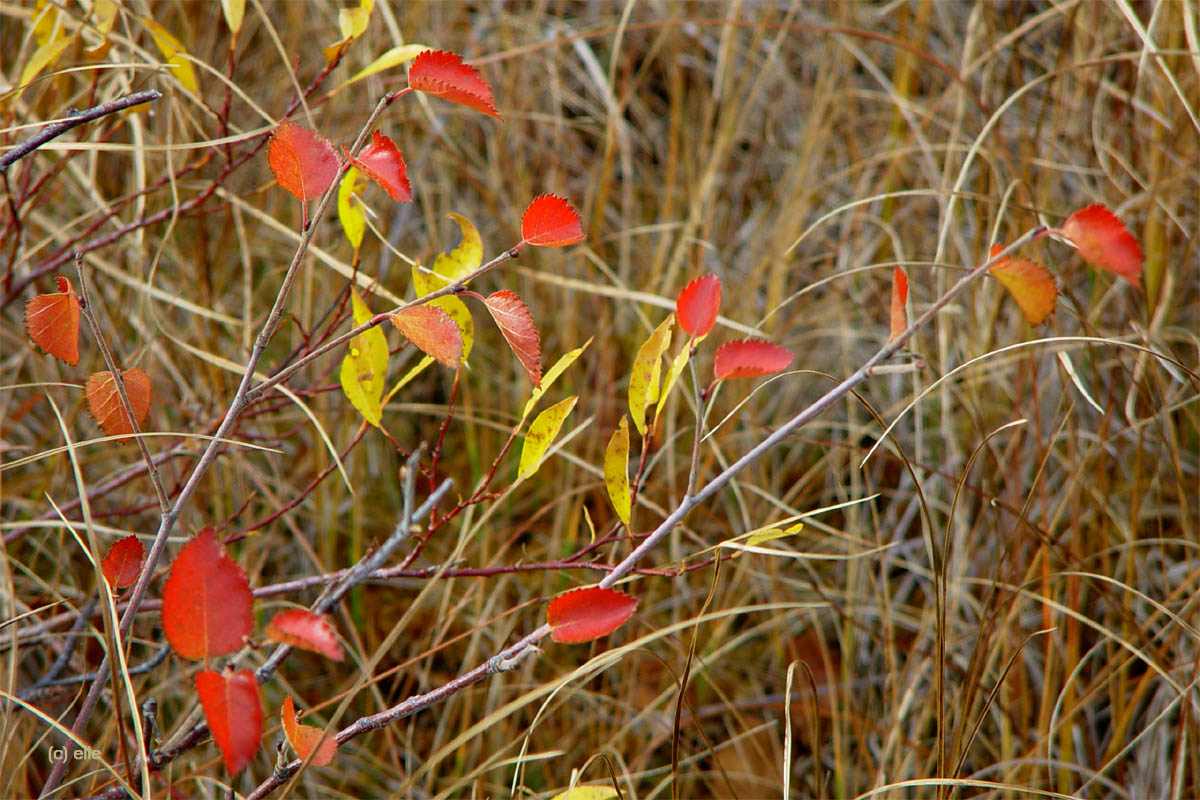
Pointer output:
x,y
616,470
392,58
644,377
772,533
104,14
174,54
43,57
454,265
421,366
1030,284
364,369
542,432
349,212
234,10
560,366
47,23
677,366
588,793
352,22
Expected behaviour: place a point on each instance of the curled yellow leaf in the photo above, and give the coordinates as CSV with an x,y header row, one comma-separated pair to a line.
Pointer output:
x,y
616,470
646,372
364,368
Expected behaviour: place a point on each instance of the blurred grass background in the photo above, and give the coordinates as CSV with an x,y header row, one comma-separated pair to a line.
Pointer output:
x,y
799,151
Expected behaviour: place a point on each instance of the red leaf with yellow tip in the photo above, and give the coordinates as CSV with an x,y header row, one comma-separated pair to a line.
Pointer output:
x,y
1030,284
304,738
52,321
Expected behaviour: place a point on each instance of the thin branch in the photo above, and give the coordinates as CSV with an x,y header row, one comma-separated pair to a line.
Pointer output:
x,y
77,118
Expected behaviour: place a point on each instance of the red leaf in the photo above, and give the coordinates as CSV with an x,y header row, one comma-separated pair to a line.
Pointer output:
x,y
899,318
444,75
750,359
123,562
304,738
698,304
233,713
433,332
381,162
53,322
1030,284
104,402
549,221
305,630
516,323
1105,242
582,615
206,608
303,162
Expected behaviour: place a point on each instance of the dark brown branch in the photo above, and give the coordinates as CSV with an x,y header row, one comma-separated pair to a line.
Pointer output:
x,y
77,118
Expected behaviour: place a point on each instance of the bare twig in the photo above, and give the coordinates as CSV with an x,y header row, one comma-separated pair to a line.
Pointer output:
x,y
56,129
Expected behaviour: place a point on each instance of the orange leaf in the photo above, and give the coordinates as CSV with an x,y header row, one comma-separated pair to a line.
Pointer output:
x,y
750,359
104,401
443,74
899,318
53,322
123,562
303,162
381,162
1030,284
206,605
433,332
233,713
1105,242
698,304
305,630
516,323
304,738
582,615
549,221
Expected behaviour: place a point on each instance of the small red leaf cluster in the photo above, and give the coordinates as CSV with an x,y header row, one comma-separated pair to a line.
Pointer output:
x,y
698,304
582,615
443,74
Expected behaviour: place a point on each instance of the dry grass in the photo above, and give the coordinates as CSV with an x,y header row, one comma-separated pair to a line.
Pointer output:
x,y
799,152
